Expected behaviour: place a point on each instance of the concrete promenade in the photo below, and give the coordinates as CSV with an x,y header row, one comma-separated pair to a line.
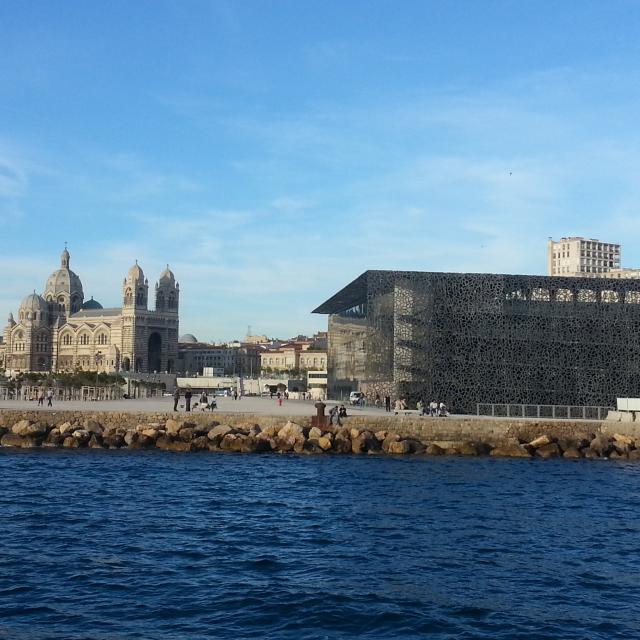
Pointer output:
x,y
248,405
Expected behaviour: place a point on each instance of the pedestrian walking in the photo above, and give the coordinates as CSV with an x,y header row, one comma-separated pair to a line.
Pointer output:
x,y
50,398
187,400
41,398
176,399
387,404
204,401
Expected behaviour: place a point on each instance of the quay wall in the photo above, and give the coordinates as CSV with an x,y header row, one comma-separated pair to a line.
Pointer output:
x,y
433,429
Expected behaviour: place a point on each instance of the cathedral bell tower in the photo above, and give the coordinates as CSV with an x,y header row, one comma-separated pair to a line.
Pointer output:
x,y
135,289
135,292
167,292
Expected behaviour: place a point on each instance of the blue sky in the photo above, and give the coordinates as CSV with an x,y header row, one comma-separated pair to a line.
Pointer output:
x,y
272,151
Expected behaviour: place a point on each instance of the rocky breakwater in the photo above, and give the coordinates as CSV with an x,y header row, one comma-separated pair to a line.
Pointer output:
x,y
211,435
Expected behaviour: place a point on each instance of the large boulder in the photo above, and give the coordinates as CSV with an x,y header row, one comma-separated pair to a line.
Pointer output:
x,y
324,442
218,432
271,431
621,439
54,438
364,442
389,440
166,443
24,442
28,428
66,428
434,450
82,436
341,443
602,445
253,444
291,438
172,427
510,450
93,426
315,433
634,454
70,443
233,442
113,440
550,450
95,442
468,449
186,434
541,441
401,447
572,452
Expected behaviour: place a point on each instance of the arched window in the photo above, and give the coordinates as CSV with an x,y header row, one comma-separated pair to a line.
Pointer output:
x,y
128,296
84,339
102,338
140,296
67,339
160,301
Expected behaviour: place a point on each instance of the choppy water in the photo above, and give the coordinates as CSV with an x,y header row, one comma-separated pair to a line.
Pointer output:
x,y
132,544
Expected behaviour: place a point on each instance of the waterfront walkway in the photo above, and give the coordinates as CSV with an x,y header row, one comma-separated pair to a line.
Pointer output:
x,y
251,405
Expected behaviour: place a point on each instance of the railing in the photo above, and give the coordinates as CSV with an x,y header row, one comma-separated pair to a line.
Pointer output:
x,y
553,411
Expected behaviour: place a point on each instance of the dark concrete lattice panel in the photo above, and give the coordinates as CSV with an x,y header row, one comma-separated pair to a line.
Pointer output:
x,y
469,338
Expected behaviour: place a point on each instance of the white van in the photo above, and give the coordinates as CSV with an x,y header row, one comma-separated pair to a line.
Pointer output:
x,y
356,397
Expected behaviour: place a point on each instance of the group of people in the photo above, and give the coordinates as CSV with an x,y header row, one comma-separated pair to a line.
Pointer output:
x,y
48,396
203,402
434,409
336,413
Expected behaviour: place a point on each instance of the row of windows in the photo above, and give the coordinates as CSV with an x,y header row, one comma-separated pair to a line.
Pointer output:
x,y
582,295
84,339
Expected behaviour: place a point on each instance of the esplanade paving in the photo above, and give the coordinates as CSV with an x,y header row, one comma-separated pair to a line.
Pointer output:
x,y
249,405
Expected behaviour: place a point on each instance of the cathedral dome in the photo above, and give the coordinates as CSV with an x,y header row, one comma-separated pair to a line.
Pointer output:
x,y
188,338
63,280
34,302
92,304
136,273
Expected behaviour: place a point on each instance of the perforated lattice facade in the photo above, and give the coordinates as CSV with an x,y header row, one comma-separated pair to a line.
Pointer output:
x,y
469,338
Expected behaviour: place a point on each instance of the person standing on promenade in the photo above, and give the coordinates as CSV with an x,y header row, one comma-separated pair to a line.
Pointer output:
x,y
50,397
387,404
41,398
187,400
176,398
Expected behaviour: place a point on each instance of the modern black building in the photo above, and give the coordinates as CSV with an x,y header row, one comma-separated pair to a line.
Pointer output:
x,y
468,338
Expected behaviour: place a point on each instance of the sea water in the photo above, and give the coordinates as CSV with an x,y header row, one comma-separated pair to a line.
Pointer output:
x,y
133,544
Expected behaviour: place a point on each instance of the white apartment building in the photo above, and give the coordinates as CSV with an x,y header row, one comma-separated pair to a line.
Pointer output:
x,y
585,258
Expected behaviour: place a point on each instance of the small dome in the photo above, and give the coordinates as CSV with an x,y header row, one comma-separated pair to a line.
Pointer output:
x,y
167,276
34,302
188,338
92,304
136,273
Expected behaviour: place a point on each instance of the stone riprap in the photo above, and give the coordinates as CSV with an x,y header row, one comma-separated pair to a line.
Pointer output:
x,y
359,434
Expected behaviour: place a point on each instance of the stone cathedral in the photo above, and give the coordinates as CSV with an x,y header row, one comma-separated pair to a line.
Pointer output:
x,y
60,331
